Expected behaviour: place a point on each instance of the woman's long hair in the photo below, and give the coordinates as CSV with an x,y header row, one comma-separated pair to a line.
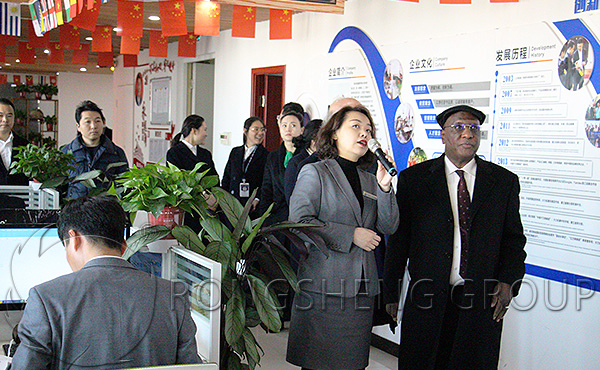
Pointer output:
x,y
190,122
326,146
248,122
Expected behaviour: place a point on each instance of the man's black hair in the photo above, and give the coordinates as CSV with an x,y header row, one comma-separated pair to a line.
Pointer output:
x,y
88,105
100,219
5,101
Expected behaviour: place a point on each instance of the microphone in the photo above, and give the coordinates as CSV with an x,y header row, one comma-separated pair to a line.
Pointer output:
x,y
375,147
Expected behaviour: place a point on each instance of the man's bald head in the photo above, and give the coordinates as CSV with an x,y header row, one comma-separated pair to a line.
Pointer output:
x,y
339,104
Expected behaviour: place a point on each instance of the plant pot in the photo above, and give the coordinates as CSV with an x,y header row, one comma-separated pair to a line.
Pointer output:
x,y
169,217
48,96
49,126
38,95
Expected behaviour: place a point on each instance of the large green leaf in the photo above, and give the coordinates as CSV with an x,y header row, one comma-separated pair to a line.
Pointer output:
x,y
188,238
219,251
234,211
144,236
235,318
284,264
53,183
235,363
252,355
265,305
255,230
216,230
88,175
252,318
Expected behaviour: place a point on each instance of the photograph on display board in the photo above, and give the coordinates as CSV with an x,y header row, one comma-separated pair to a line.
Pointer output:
x,y
392,79
404,122
575,63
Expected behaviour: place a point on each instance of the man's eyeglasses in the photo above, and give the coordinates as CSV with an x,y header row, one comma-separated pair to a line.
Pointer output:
x,y
258,129
460,127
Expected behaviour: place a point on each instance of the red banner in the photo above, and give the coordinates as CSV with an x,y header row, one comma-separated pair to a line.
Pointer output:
x,y
208,18
280,24
130,18
57,55
159,45
81,55
172,18
130,44
26,53
243,23
69,36
102,38
129,60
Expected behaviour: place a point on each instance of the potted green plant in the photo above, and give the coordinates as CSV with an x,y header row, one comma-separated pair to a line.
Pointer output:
x,y
37,90
154,187
50,122
22,90
254,267
48,90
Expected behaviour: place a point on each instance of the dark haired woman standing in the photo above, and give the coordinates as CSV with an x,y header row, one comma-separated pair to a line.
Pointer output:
x,y
246,165
331,319
186,153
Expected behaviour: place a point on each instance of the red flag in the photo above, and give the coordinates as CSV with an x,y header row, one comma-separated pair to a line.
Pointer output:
x,y
172,18
80,56
69,36
8,40
90,4
102,38
280,24
130,18
159,45
130,44
57,55
28,80
17,79
26,53
34,40
455,1
208,18
2,53
53,80
3,79
243,23
129,60
105,59
187,46
80,6
86,19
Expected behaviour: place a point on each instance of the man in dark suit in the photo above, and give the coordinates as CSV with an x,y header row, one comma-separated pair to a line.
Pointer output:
x,y
9,142
466,253
106,314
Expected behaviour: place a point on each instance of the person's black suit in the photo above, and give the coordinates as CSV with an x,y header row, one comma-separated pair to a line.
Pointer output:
x,y
183,158
234,171
425,238
272,187
291,173
16,179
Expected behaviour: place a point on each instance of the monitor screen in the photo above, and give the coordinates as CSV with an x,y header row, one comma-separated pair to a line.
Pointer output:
x,y
28,257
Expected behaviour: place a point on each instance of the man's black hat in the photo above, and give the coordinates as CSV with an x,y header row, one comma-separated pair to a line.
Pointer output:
x,y
442,117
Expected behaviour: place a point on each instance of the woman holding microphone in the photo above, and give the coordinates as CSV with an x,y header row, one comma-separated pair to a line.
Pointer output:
x,y
330,327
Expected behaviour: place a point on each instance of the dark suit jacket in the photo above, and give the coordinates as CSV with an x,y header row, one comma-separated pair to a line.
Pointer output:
x,y
293,168
183,158
323,196
108,315
16,179
272,187
425,238
234,171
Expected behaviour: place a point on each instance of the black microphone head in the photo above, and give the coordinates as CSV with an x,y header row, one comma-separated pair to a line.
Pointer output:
x,y
373,145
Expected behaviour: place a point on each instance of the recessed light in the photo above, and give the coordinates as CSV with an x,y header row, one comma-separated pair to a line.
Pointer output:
x,y
6,64
112,68
154,18
18,61
83,69
46,51
89,38
57,73
97,66
117,29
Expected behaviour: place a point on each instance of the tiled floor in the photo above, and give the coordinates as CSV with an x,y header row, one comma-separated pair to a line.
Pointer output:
x,y
274,345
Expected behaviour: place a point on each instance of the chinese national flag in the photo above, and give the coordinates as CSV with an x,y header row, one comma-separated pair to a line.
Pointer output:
x,y
455,1
105,59
80,56
243,23
102,38
26,53
159,45
57,55
28,80
2,54
280,24
86,19
3,79
187,46
91,4
69,36
129,60
34,40
208,18
172,18
8,40
130,18
53,80
17,79
130,44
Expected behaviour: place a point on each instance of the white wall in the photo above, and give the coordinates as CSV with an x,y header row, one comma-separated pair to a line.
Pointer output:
x,y
73,88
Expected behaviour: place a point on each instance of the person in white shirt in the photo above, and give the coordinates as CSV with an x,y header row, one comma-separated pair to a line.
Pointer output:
x,y
9,142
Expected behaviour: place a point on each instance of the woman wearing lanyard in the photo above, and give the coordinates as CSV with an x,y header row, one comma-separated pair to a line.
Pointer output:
x,y
246,164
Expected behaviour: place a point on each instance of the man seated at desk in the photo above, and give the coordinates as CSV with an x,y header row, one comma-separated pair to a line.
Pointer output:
x,y
106,314
92,149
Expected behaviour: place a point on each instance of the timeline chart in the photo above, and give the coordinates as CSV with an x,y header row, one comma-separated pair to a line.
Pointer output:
x,y
538,126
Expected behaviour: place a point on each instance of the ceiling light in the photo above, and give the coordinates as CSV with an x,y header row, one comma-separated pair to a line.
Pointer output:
x,y
6,64
112,68
117,29
154,18
18,61
57,73
89,38
97,66
83,69
46,51
13,85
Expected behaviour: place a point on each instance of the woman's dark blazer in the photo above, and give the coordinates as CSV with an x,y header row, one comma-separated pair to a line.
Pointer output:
x,y
272,187
234,174
183,158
